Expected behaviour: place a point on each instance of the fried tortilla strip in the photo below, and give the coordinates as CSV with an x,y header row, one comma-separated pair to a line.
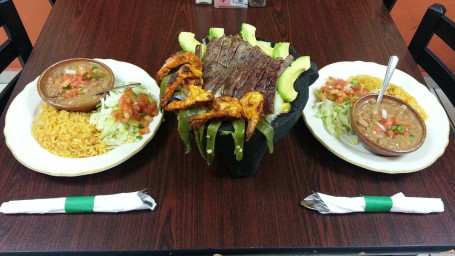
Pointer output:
x,y
176,60
252,108
224,107
197,96
186,71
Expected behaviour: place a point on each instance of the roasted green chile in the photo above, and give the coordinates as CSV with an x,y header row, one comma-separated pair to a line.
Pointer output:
x,y
238,135
212,130
265,128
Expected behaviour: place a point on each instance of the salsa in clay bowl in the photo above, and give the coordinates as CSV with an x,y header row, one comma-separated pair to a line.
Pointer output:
x,y
72,84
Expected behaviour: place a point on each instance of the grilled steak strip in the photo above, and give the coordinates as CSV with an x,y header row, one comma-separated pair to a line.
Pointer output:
x,y
239,75
249,83
211,64
224,69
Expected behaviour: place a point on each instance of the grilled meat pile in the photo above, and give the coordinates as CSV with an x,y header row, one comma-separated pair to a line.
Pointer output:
x,y
234,66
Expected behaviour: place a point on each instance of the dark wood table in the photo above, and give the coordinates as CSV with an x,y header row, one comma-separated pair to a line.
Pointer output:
x,y
203,209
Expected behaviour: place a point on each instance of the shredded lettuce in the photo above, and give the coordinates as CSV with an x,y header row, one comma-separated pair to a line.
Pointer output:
x,y
336,119
113,133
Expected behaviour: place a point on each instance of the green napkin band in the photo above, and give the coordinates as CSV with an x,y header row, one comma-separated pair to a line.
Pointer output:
x,y
378,203
79,204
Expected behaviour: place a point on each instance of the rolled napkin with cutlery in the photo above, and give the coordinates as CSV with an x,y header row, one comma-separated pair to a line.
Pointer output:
x,y
122,202
327,204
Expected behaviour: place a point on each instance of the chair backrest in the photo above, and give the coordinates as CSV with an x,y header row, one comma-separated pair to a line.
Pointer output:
x,y
389,4
435,22
17,45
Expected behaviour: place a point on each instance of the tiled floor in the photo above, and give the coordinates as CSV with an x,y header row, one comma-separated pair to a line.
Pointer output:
x,y
5,77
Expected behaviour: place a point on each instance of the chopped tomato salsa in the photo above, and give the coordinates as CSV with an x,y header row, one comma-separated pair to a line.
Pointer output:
x,y
393,126
338,90
139,107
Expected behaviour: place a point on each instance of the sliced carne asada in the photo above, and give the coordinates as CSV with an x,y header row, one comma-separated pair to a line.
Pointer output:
x,y
237,68
240,73
254,73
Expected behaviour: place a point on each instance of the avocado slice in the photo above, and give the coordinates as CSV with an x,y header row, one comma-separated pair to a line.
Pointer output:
x,y
266,47
288,77
188,42
216,33
281,50
249,34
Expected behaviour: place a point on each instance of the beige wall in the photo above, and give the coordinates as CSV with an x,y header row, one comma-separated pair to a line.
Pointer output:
x,y
406,14
33,14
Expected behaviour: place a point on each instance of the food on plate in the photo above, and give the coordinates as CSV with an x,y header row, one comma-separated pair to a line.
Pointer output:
x,y
391,124
339,90
67,134
335,100
71,84
337,96
373,84
230,79
125,115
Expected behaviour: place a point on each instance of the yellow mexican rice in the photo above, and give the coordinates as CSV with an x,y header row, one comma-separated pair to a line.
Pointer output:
x,y
67,134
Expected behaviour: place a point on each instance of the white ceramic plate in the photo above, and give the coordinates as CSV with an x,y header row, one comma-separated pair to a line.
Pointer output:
x,y
23,109
437,123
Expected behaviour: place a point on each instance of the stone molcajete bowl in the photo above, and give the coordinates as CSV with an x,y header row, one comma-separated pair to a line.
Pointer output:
x,y
256,147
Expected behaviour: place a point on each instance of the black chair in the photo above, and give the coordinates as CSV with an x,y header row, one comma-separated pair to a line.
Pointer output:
x,y
389,4
17,45
435,22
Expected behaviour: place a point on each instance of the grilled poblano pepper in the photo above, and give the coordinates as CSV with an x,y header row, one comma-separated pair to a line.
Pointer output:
x,y
265,128
212,130
199,136
207,149
238,135
163,87
183,127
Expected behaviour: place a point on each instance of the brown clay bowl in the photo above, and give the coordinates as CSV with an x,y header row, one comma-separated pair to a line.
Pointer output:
x,y
88,104
372,145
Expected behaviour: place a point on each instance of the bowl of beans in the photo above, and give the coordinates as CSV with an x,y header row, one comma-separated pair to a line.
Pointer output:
x,y
390,128
73,84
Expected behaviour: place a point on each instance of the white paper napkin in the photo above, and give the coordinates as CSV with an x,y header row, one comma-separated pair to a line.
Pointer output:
x,y
327,204
122,202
